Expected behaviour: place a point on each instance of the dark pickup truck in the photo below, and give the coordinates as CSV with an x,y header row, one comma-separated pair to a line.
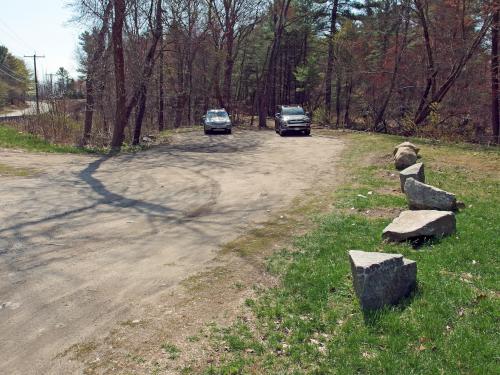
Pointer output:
x,y
291,119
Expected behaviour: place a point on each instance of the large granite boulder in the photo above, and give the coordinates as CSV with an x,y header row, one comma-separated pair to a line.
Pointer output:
x,y
405,157
381,279
415,171
406,144
421,196
423,223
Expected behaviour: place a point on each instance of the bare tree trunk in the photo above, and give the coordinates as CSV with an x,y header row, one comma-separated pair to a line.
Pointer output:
x,y
337,100
140,95
421,11
422,113
228,69
138,119
495,115
279,25
347,119
272,84
216,83
305,93
379,119
89,109
91,71
161,83
119,66
239,94
329,66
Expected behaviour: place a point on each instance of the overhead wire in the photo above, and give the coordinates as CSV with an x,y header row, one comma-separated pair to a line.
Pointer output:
x,y
5,67
11,76
14,35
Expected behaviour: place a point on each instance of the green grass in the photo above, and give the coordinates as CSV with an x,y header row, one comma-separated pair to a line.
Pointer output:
x,y
12,138
312,323
171,350
7,170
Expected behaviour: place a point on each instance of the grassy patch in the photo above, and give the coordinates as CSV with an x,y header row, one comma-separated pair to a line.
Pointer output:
x,y
7,170
79,351
311,323
12,138
279,228
171,350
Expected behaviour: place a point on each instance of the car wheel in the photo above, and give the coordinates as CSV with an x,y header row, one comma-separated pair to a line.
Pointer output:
x,y
205,131
282,132
307,132
228,131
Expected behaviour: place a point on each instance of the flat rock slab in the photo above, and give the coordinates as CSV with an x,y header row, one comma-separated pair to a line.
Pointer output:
x,y
381,279
422,223
415,171
421,196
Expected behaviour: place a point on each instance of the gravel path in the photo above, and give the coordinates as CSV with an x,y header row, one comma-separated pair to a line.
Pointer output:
x,y
88,240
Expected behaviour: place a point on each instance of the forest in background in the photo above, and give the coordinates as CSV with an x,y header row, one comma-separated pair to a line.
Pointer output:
x,y
410,67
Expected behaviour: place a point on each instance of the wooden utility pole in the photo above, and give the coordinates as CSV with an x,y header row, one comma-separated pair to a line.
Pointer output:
x,y
34,56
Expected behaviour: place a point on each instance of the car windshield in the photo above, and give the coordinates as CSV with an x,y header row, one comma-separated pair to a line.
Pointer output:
x,y
213,114
295,111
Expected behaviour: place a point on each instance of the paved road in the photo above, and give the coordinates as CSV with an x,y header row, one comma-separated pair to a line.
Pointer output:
x,y
89,240
29,110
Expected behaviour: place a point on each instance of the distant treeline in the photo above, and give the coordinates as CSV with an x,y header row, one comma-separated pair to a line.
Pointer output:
x,y
415,67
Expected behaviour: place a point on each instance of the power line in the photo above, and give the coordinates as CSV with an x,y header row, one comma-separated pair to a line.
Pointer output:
x,y
13,34
11,76
5,67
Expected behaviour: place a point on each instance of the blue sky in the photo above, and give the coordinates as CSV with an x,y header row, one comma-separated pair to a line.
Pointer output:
x,y
42,26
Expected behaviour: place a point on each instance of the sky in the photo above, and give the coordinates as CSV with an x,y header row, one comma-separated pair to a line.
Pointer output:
x,y
41,26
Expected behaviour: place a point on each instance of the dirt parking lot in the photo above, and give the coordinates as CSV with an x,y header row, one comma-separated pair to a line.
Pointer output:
x,y
88,240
